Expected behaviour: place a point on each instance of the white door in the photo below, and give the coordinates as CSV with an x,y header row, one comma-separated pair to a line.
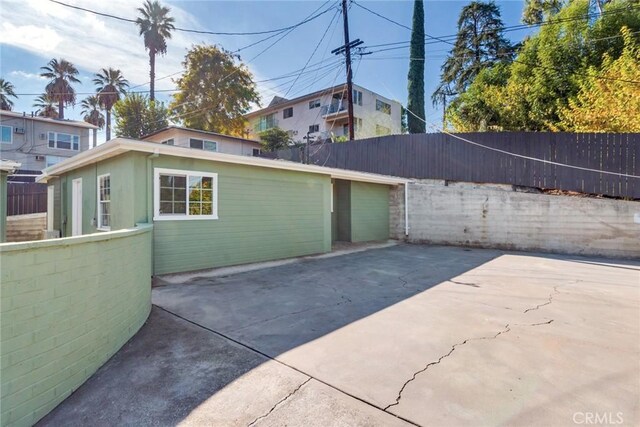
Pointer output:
x,y
76,207
50,200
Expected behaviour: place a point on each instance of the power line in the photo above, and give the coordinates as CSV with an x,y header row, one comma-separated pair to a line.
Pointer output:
x,y
189,30
448,39
313,53
394,22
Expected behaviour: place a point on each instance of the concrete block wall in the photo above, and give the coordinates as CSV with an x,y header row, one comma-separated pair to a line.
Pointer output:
x,y
24,228
66,306
495,216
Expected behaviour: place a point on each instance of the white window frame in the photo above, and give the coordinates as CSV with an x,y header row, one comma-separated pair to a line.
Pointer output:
x,y
169,141
357,97
315,103
56,141
182,217
100,226
10,134
50,157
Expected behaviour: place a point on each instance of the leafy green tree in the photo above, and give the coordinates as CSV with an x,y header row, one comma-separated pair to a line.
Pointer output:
x,y
6,90
478,108
110,85
155,25
479,44
215,92
91,111
61,74
535,11
415,104
136,116
46,106
275,139
612,103
530,93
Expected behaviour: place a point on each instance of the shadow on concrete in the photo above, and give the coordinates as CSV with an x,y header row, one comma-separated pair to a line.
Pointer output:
x,y
171,365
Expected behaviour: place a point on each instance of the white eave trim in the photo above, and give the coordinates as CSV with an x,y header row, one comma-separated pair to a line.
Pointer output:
x,y
120,145
9,166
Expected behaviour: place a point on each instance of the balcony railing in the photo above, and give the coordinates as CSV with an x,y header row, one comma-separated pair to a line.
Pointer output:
x,y
263,125
333,108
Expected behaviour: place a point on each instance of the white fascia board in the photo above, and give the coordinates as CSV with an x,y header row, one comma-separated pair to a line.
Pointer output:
x,y
121,145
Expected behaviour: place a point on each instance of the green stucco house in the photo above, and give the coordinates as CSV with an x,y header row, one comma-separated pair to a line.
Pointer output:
x,y
211,209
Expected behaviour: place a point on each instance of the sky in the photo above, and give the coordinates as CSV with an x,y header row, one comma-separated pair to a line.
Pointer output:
x,y
35,31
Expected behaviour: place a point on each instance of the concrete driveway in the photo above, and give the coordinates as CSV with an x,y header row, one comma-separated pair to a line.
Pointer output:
x,y
396,336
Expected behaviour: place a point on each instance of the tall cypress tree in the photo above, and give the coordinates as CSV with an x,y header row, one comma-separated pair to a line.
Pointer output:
x,y
415,104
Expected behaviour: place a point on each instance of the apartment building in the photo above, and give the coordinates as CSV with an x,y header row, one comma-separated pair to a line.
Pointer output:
x,y
39,142
204,140
323,114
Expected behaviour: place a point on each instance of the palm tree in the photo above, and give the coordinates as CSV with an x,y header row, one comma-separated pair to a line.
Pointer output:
x,y
46,106
156,26
111,84
6,90
91,111
62,73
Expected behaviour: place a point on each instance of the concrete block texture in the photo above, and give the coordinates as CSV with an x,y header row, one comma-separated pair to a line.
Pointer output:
x,y
67,305
495,216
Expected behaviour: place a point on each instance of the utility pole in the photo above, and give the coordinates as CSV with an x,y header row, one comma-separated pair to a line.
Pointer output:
x,y
349,74
346,49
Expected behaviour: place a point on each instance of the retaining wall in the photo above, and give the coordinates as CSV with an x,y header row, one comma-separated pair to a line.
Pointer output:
x,y
24,228
496,216
66,306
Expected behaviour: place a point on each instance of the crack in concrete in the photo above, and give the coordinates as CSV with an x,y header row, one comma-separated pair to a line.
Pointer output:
x,y
550,299
273,408
506,329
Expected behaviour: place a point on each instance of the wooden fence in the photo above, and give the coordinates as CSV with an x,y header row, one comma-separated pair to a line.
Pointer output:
x,y
26,198
441,156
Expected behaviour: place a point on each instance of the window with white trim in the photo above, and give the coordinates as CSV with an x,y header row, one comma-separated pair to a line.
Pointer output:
x,y
104,202
64,141
167,141
185,195
314,104
203,144
357,97
6,134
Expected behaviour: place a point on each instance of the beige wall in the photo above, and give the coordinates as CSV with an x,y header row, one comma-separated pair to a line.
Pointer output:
x,y
303,117
498,217
25,147
227,145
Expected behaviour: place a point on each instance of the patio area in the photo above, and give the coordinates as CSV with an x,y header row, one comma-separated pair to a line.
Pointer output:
x,y
401,335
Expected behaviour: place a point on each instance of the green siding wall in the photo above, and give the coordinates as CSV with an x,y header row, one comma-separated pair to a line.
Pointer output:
x,y
369,212
126,191
264,214
66,306
3,206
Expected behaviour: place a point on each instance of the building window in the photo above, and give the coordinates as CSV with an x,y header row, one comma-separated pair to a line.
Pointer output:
x,y
52,160
64,141
383,106
202,144
104,202
185,195
257,152
287,112
7,134
314,128
168,141
357,97
382,130
314,104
